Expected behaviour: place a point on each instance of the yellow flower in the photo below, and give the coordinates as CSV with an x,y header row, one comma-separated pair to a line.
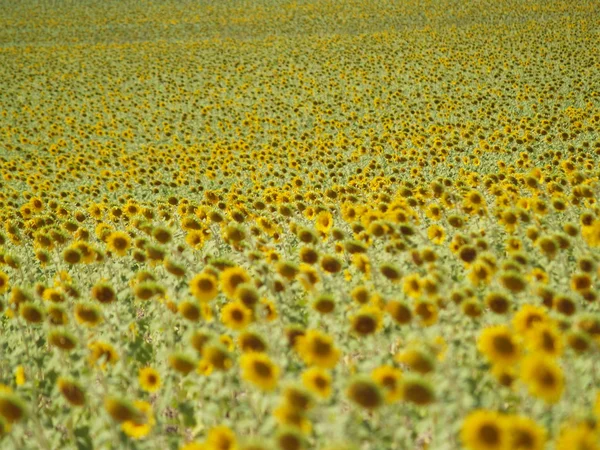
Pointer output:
x,y
102,353
499,345
545,338
317,348
118,242
591,233
365,393
527,317
417,390
235,315
484,430
149,379
287,415
190,310
417,360
12,408
3,282
367,321
140,426
427,312
20,376
524,434
389,379
411,285
324,222
204,287
318,381
122,410
543,377
72,391
577,437
231,278
221,438
269,310
182,363
436,234
258,369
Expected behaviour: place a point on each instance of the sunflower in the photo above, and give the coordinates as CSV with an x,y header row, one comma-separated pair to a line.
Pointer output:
x,y
324,222
247,294
290,438
436,234
149,379
390,271
182,363
331,264
88,314
231,278
578,437
3,282
499,345
287,415
121,410
62,339
258,369
389,379
12,408
199,338
217,356
268,310
365,393
227,341
72,256
104,293
367,321
527,317
298,397
71,390
139,427
417,360
524,434
102,353
399,311
118,242
411,285
20,377
324,303
427,312
221,438
235,315
484,430
505,375
498,302
31,312
318,381
317,348
249,341
416,389
545,338
190,310
591,233
543,377
308,255
54,295
204,287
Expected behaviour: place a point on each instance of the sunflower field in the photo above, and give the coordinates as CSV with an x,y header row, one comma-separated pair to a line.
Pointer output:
x,y
300,225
